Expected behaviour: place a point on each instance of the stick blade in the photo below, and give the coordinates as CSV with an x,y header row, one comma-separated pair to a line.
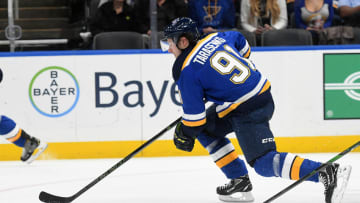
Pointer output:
x,y
49,198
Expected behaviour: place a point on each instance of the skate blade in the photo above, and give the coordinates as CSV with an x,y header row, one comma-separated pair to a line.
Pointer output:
x,y
343,175
238,197
42,146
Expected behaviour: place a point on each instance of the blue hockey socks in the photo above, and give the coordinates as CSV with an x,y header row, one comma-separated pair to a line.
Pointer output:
x,y
10,131
285,165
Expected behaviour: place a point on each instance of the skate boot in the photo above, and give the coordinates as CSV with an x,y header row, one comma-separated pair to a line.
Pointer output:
x,y
335,179
32,149
238,190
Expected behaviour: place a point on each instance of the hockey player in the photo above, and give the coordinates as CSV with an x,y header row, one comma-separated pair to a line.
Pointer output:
x,y
32,147
214,68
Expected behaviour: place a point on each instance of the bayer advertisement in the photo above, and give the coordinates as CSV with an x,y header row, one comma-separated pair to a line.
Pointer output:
x,y
54,91
120,97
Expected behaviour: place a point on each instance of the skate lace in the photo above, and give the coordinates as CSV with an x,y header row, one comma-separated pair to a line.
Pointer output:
x,y
31,145
227,185
325,180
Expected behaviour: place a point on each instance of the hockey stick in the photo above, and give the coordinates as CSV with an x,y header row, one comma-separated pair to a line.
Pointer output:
x,y
341,154
49,198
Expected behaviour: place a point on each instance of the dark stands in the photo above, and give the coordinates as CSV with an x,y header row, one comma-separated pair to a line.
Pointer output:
x,y
45,25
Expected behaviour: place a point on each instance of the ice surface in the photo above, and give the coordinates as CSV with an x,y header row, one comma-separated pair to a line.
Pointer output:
x,y
148,180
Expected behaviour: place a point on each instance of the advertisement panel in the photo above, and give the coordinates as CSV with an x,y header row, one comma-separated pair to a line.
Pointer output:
x,y
342,86
104,104
90,98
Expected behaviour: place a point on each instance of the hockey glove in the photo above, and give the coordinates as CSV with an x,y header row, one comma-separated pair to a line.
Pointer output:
x,y
183,141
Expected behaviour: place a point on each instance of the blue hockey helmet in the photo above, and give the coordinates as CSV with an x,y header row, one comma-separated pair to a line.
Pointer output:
x,y
179,27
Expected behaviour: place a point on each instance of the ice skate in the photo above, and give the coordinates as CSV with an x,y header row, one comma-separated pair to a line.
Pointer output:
x,y
32,149
238,190
335,179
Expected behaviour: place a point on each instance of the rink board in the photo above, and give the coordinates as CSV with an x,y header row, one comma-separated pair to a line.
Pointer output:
x,y
94,104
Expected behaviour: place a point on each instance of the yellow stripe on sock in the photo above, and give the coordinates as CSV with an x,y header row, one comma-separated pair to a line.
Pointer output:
x,y
226,159
295,169
15,138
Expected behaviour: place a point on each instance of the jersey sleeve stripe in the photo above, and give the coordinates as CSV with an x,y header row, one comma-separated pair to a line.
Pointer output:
x,y
194,123
196,49
245,51
194,116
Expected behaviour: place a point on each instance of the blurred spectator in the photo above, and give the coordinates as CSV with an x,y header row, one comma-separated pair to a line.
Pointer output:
x,y
115,15
290,12
101,2
313,15
167,10
350,12
212,15
129,2
337,20
77,10
259,16
237,4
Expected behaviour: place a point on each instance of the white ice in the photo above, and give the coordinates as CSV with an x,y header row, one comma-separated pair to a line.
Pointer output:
x,y
153,180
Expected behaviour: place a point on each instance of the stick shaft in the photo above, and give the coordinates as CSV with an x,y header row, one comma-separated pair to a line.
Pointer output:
x,y
338,156
118,164
114,167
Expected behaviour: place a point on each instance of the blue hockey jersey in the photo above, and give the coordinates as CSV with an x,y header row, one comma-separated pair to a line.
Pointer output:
x,y
217,69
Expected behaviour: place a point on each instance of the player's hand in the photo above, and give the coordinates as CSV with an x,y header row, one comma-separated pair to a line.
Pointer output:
x,y
183,141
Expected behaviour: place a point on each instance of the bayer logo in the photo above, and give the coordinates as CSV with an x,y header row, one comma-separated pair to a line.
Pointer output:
x,y
54,91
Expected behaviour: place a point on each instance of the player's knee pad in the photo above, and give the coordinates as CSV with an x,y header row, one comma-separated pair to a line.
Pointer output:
x,y
274,163
268,164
